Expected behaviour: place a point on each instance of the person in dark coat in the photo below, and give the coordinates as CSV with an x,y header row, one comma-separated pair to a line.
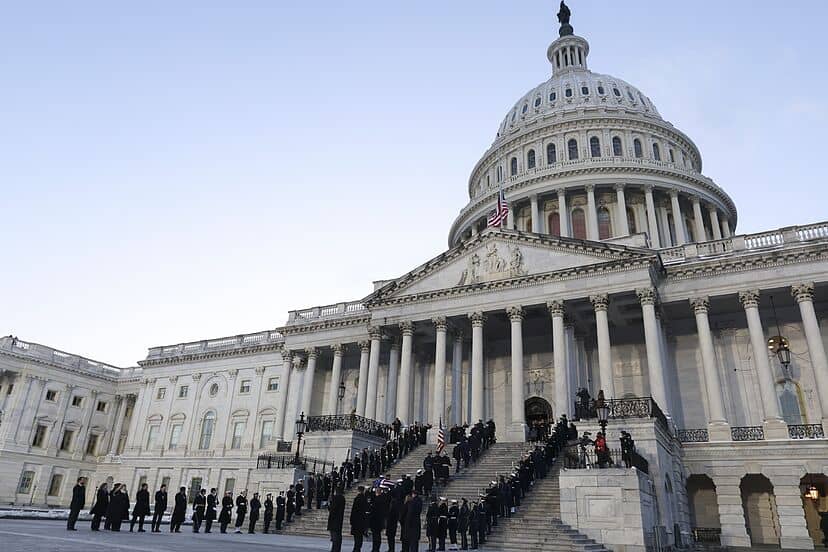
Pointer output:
x,y
268,512
210,514
359,518
108,513
463,525
474,525
453,520
199,506
442,524
226,511
77,504
377,517
141,509
413,522
432,521
394,511
336,517
160,508
290,503
255,506
100,506
179,510
241,509
280,510
118,508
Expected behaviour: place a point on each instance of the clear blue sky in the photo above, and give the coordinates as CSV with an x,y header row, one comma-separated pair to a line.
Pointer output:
x,y
174,171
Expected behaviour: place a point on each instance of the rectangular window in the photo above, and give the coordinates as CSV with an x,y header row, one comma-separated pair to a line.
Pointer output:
x,y
238,433
101,406
51,395
273,384
229,484
92,444
152,436
10,389
183,391
77,401
267,434
245,386
66,441
55,484
26,480
39,436
175,436
166,481
162,392
195,486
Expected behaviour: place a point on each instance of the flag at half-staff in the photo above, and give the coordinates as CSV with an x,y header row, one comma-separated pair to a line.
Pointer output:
x,y
500,212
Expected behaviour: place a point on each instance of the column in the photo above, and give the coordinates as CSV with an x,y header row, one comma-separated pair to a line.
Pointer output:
x,y
718,428
600,303
623,224
652,339
731,513
714,222
804,295
373,373
774,426
281,399
698,220
457,378
517,429
652,224
362,387
536,219
404,384
664,224
563,213
439,406
307,388
120,410
391,388
793,529
592,214
477,400
678,218
336,379
725,228
563,399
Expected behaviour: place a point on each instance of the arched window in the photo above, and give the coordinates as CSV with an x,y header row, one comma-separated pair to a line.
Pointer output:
x,y
537,101
568,92
513,166
601,90
656,152
639,153
672,156
530,159
631,220
585,91
604,228
554,221
594,147
616,92
553,96
207,426
525,108
551,154
616,146
578,224
572,146
788,393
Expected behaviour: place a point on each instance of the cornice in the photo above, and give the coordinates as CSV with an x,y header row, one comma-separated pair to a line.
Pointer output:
x,y
243,351
327,324
690,270
62,367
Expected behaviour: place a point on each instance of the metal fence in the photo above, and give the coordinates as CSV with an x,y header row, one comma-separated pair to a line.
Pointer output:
x,y
349,422
637,407
577,458
288,461
806,431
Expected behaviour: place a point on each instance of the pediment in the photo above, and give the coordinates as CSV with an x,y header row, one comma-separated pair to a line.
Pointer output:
x,y
498,255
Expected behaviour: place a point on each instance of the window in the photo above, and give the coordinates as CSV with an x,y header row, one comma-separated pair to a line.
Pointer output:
x,y
514,114
499,173
207,426
616,92
554,221
26,480
162,392
273,384
537,101
630,96
245,386
601,90
51,395
175,435
9,389
656,152
551,154
195,487
214,389
639,153
525,108
55,484
183,391
672,156
238,433
152,436
631,220
594,147
229,484
578,224
39,436
530,159
92,444
585,91
553,96
572,147
604,229
267,433
77,401
568,92
101,407
616,146
66,441
513,166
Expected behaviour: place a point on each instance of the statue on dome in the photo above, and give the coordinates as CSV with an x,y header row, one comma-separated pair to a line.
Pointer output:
x,y
563,19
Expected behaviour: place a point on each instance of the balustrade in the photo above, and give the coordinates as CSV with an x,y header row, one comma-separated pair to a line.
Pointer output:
x,y
747,433
637,407
806,431
290,461
692,435
349,422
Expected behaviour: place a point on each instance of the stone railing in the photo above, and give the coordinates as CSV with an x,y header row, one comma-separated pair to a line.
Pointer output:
x,y
349,422
36,351
692,435
806,431
236,342
576,457
638,407
289,461
325,312
747,433
747,242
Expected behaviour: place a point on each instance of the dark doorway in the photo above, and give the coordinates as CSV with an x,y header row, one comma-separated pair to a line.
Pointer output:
x,y
538,409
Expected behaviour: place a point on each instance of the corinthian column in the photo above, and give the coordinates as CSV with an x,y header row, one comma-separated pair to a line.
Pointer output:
x,y
559,358
592,214
717,424
600,303
362,388
281,400
652,338
714,222
804,295
698,220
391,389
563,213
336,378
652,223
517,429
439,371
457,378
310,372
623,225
678,218
404,385
373,373
477,401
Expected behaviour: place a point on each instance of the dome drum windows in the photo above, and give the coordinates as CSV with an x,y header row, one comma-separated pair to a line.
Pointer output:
x,y
553,96
537,102
656,152
551,154
617,150
616,92
572,148
513,166
595,147
601,90
639,153
568,92
584,90
525,108
530,159
604,224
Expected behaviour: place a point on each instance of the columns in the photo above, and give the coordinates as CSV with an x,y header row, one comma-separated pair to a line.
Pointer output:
x,y
517,428
559,359
457,379
439,408
336,378
373,373
725,228
623,224
119,423
718,429
600,303
536,220
714,222
307,388
664,224
281,404
773,420
698,220
391,388
477,398
404,384
362,386
563,213
652,339
652,224
731,513
678,218
804,295
592,214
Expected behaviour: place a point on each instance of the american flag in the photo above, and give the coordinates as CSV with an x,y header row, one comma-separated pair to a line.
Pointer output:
x,y
441,438
501,211
383,482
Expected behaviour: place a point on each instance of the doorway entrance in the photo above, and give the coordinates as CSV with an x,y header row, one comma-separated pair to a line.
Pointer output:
x,y
539,417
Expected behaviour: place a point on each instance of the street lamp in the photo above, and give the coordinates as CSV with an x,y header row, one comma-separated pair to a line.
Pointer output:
x,y
340,393
301,426
780,346
602,410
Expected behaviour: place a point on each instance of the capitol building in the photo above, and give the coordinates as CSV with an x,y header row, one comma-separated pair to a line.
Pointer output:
x,y
620,268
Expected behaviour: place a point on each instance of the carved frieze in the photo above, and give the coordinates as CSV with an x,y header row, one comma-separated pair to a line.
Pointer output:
x,y
493,266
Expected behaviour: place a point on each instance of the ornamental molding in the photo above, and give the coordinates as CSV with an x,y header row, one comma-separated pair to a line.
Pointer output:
x,y
803,292
440,323
63,368
556,308
493,266
600,301
689,270
749,298
515,313
647,296
180,359
700,305
326,324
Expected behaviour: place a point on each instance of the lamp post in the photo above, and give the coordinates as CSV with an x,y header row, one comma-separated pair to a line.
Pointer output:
x,y
780,346
602,410
301,426
340,395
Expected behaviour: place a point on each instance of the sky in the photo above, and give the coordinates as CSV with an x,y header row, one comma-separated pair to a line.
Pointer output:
x,y
177,171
